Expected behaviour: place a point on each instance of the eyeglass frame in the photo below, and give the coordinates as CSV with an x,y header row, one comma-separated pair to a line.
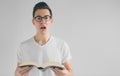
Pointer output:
x,y
50,17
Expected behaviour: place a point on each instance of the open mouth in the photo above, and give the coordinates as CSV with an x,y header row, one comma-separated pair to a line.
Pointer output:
x,y
43,27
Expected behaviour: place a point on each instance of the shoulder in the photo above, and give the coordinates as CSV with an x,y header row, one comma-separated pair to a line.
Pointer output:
x,y
27,41
59,41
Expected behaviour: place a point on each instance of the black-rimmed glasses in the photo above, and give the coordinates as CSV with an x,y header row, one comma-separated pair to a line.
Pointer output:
x,y
39,18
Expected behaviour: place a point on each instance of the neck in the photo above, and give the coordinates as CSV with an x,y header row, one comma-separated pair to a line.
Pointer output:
x,y
42,38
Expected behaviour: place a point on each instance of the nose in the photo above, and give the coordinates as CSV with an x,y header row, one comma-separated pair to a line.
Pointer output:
x,y
42,20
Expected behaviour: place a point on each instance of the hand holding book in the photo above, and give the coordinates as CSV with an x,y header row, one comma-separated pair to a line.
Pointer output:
x,y
43,66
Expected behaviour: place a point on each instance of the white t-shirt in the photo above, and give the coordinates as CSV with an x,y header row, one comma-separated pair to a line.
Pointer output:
x,y
54,50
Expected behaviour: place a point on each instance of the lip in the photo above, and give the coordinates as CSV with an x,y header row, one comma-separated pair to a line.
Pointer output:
x,y
42,27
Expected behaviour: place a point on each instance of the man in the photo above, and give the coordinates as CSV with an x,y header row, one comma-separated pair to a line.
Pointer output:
x,y
43,47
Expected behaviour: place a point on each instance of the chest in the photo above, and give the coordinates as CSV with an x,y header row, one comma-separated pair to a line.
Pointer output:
x,y
42,54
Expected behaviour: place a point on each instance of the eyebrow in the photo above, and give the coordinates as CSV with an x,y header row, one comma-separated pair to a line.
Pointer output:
x,y
41,16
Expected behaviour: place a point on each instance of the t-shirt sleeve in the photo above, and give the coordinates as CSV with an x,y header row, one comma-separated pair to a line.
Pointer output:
x,y
66,54
19,54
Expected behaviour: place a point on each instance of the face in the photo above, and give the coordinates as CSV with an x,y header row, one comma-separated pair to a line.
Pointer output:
x,y
42,20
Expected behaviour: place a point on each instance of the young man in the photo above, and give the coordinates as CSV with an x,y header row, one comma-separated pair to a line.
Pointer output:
x,y
43,47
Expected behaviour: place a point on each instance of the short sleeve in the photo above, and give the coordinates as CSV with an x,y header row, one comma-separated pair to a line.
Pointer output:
x,y
66,54
19,54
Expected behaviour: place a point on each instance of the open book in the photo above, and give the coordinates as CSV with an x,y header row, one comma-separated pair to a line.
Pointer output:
x,y
43,66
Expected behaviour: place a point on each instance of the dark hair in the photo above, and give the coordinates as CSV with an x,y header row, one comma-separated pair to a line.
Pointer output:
x,y
41,5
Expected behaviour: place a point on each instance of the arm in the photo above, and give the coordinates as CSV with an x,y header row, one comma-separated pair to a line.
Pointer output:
x,y
66,72
22,71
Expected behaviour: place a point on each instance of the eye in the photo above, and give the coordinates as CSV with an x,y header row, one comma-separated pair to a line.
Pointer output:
x,y
38,18
46,17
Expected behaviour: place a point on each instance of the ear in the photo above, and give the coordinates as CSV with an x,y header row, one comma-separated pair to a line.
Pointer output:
x,y
52,21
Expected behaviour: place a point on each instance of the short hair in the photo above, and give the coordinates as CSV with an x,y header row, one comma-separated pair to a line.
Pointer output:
x,y
41,5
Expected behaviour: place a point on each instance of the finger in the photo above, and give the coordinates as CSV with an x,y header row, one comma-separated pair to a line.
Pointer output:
x,y
25,71
26,74
19,70
57,72
22,68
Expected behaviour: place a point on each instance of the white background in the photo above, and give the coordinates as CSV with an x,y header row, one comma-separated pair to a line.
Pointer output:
x,y
90,27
